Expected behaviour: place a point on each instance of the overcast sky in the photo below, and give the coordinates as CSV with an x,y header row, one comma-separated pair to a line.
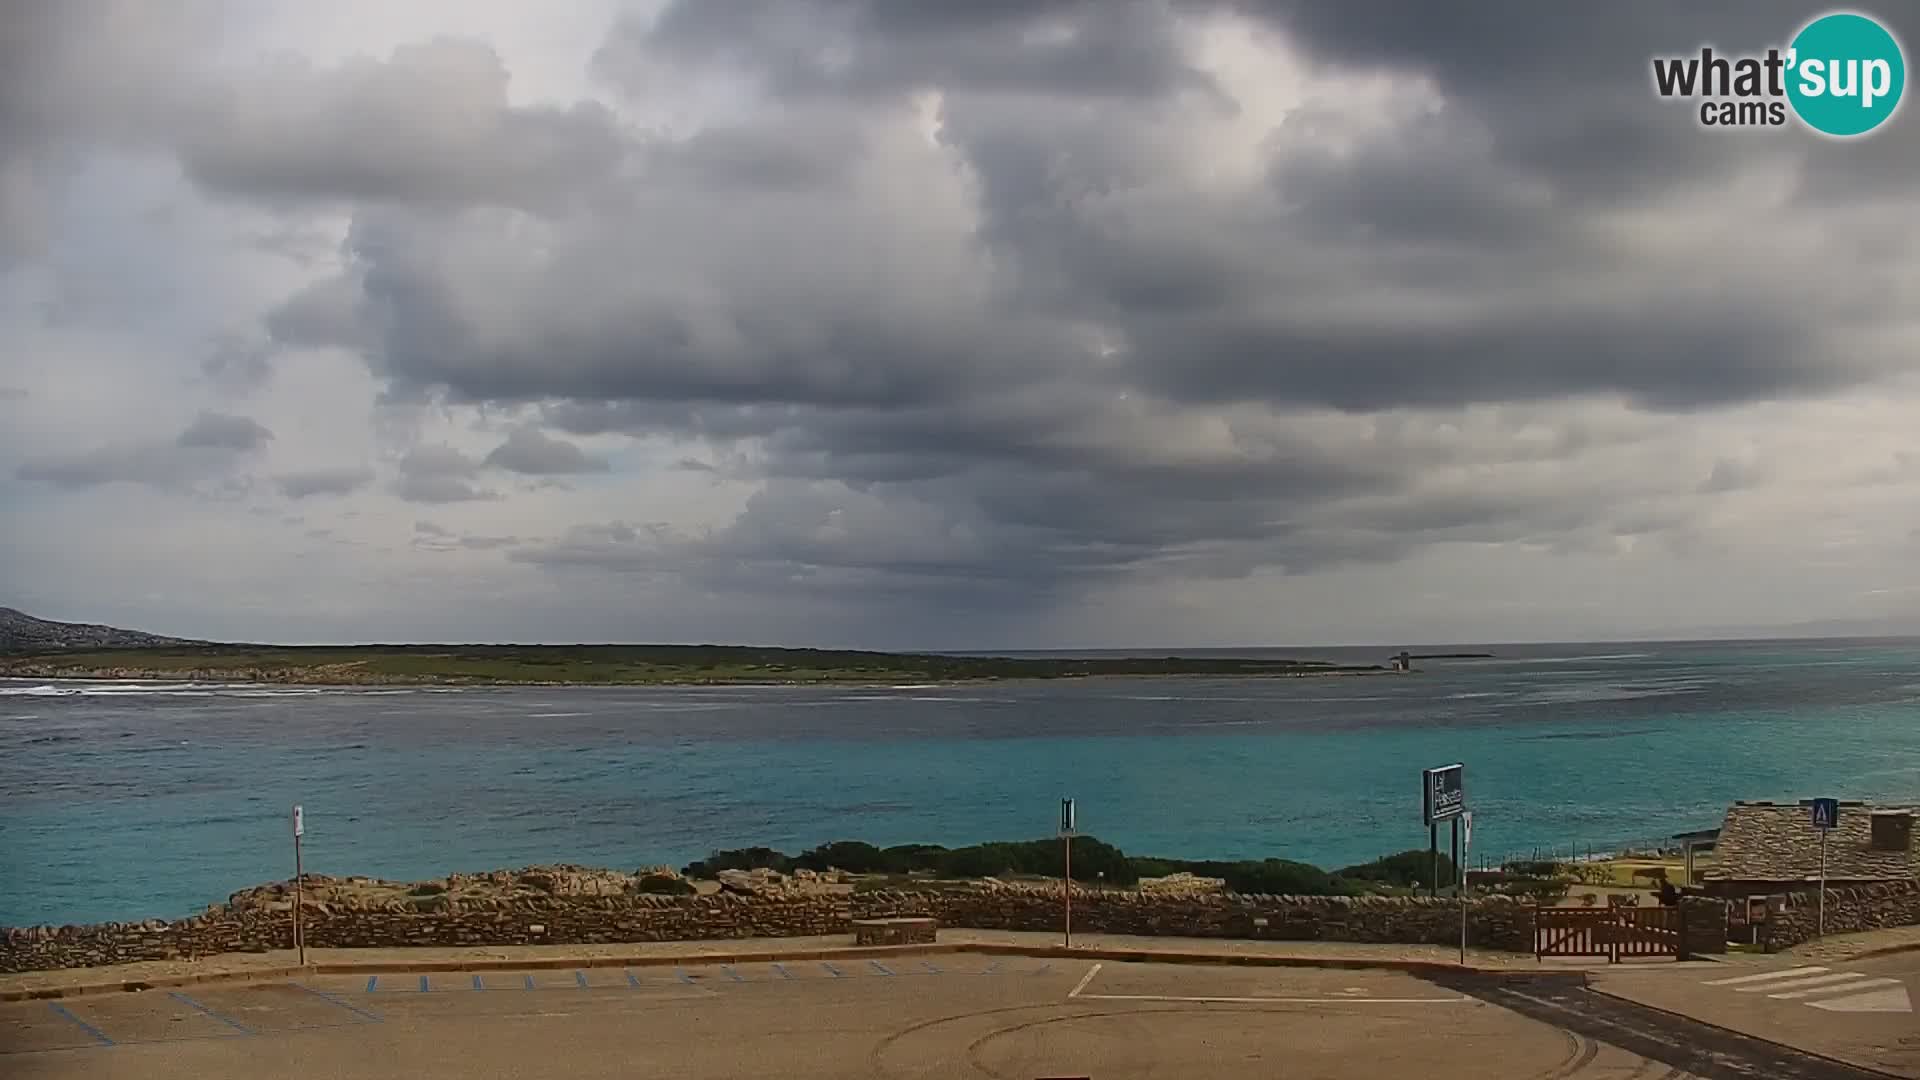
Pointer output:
x,y
941,325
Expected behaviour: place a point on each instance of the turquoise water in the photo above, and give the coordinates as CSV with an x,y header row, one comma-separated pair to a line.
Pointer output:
x,y
135,800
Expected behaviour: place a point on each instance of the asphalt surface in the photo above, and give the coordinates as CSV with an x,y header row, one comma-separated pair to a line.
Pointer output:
x,y
945,1016
1861,1012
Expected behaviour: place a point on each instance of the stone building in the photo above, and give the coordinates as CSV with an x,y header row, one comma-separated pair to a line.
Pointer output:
x,y
1766,848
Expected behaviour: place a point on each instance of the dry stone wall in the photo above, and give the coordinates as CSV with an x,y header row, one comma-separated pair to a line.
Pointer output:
x,y
578,920
1849,911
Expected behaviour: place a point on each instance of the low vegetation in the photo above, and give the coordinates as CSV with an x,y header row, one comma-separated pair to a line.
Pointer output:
x,y
1094,862
611,664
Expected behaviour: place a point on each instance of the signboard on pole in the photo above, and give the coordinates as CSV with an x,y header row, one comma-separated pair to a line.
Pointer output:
x,y
1466,829
1443,793
1826,813
1066,817
299,823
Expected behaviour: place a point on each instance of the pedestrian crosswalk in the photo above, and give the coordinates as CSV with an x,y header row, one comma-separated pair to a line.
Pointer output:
x,y
1821,988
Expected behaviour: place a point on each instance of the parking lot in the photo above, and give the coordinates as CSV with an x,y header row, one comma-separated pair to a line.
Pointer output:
x,y
936,1016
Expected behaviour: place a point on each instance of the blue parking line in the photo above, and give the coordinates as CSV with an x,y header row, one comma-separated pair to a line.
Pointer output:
x,y
633,980
1042,969
684,977
880,967
732,974
98,1035
782,969
831,970
990,968
185,1000
479,983
529,982
581,978
930,966
423,984
372,981
331,1000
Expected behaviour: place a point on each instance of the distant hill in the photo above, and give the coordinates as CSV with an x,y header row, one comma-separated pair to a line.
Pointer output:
x,y
21,632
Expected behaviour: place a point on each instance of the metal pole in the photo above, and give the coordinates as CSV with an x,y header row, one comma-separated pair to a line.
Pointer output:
x,y
1467,852
1459,879
1822,932
299,929
1433,858
1066,883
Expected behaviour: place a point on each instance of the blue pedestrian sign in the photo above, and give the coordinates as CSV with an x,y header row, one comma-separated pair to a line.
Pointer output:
x,y
1826,813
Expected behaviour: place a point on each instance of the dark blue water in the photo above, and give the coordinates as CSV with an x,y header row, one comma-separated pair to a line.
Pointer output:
x,y
127,800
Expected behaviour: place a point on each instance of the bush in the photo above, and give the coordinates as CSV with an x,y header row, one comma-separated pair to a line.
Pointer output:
x,y
906,858
1403,870
853,856
753,858
1533,868
664,885
1283,876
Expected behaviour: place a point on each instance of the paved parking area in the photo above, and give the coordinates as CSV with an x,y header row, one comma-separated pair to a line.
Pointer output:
x,y
935,1016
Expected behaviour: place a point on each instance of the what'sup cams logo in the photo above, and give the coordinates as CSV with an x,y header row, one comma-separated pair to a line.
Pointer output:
x,y
1842,75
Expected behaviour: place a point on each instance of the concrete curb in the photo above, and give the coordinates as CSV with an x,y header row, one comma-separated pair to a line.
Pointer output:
x,y
1843,1062
871,952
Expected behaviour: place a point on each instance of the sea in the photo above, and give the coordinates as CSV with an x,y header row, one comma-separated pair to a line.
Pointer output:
x,y
131,800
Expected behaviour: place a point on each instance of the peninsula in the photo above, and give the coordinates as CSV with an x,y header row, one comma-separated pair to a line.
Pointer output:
x,y
607,665
33,648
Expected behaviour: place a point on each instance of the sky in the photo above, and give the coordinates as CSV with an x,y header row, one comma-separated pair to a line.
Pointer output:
x,y
934,325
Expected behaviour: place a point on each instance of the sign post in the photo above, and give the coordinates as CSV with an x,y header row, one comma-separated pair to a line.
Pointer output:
x,y
1466,855
1066,875
1826,815
299,877
1443,797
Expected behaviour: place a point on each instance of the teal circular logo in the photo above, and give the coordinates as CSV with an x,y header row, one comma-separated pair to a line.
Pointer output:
x,y
1845,74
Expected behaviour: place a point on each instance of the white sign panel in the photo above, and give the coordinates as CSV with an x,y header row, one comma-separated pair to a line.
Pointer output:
x,y
299,823
1066,815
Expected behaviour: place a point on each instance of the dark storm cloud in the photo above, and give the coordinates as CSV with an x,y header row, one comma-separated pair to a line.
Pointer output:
x,y
864,48
223,431
1041,344
532,452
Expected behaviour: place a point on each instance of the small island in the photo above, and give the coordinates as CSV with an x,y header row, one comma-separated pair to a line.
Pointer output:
x,y
611,665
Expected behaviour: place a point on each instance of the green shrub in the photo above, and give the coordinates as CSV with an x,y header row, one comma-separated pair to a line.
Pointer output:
x,y
906,858
1404,869
664,885
853,856
753,858
1283,876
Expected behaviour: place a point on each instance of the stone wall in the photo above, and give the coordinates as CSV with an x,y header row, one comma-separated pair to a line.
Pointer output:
x,y
1849,911
1703,925
1494,923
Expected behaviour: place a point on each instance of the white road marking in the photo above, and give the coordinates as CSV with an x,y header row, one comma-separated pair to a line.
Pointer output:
x,y
1891,1000
1084,980
1791,973
1860,985
1800,982
1277,1000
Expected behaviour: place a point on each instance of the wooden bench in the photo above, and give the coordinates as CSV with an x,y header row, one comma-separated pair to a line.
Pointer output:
x,y
894,931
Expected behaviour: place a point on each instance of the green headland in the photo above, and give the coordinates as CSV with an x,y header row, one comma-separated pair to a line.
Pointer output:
x,y
612,665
